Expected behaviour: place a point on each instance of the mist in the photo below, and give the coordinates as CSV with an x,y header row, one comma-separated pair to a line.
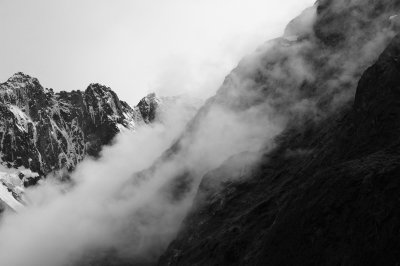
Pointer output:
x,y
129,204
124,200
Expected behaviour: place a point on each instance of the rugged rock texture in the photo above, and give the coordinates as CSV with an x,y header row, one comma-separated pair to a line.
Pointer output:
x,y
45,131
148,106
327,194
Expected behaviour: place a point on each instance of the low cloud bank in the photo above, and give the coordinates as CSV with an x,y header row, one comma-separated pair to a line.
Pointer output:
x,y
126,202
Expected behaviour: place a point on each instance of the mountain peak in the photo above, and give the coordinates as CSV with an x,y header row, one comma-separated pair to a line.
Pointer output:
x,y
147,107
20,77
97,86
151,97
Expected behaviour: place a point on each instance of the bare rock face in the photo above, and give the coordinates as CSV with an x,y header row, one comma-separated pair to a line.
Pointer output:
x,y
45,131
148,106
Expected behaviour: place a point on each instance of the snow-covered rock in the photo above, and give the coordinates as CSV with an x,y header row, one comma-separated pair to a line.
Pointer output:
x,y
12,186
45,131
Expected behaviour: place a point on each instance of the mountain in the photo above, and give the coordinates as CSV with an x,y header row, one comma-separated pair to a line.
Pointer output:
x,y
325,189
42,131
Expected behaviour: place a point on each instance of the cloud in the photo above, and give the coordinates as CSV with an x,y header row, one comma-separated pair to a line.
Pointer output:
x,y
129,200
61,222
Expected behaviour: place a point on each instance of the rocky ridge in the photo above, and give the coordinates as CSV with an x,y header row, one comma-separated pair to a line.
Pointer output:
x,y
42,131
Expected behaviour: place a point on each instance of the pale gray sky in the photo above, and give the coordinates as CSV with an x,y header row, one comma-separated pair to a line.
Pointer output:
x,y
136,46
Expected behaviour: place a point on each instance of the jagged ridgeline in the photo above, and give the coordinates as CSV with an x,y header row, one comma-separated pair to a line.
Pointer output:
x,y
47,131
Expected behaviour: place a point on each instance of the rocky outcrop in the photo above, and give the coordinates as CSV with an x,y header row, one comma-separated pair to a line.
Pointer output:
x,y
46,131
148,106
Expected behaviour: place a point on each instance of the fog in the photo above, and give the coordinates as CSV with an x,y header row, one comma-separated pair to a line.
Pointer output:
x,y
109,207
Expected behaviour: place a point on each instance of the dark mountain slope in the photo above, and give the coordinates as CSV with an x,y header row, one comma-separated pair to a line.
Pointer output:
x,y
328,193
292,95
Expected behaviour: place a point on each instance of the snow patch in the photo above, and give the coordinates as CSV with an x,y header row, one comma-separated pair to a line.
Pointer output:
x,y
7,197
12,186
22,118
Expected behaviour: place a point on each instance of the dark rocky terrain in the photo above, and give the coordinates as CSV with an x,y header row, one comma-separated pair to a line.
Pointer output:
x,y
327,192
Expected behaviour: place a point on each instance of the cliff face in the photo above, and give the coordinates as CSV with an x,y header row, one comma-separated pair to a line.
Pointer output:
x,y
327,193
45,131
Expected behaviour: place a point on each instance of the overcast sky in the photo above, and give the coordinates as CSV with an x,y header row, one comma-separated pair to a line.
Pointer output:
x,y
136,46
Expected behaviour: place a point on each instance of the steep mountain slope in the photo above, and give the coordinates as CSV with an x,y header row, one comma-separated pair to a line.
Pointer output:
x,y
326,194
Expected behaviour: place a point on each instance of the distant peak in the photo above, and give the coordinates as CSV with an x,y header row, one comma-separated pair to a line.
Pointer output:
x,y
96,85
97,88
151,98
20,77
151,95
